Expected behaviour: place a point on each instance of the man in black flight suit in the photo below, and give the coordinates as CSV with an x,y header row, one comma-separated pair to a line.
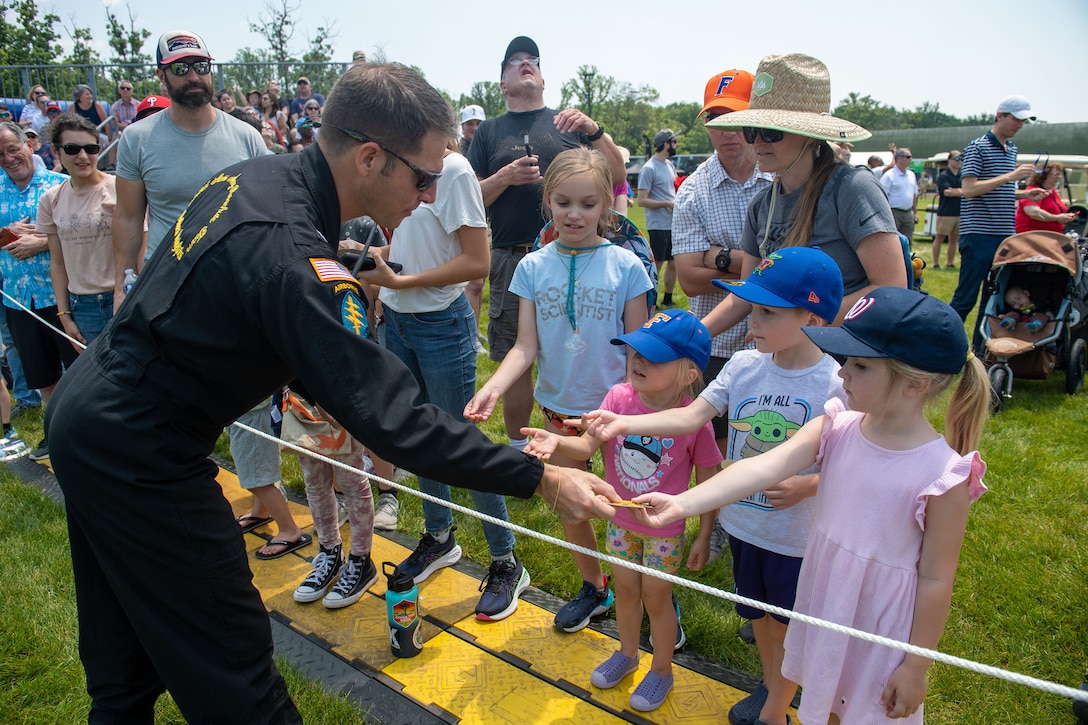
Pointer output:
x,y
244,295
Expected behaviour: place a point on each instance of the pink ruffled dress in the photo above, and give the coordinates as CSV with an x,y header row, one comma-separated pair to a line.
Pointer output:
x,y
861,565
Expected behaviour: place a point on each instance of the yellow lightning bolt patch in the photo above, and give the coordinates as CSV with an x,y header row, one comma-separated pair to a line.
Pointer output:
x,y
353,314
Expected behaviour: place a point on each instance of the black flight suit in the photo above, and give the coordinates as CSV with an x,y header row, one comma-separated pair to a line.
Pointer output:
x,y
242,297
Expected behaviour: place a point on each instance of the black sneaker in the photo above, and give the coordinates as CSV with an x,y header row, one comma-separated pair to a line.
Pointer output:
x,y
681,638
40,452
326,565
430,556
575,614
358,575
504,583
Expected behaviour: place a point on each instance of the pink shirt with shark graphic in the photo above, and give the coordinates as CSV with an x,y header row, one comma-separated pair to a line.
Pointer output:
x,y
637,464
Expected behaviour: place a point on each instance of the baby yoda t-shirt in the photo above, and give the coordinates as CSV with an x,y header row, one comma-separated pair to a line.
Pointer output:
x,y
766,405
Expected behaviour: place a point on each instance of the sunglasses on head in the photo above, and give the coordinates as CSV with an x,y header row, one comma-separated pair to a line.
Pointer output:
x,y
769,135
181,68
424,179
73,149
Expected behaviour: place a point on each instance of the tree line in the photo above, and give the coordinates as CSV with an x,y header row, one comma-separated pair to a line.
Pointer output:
x,y
629,112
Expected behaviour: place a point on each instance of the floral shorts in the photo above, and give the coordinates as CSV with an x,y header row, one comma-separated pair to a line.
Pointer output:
x,y
660,554
556,419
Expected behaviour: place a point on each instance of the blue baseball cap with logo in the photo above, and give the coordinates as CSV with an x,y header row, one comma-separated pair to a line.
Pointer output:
x,y
670,335
901,324
793,277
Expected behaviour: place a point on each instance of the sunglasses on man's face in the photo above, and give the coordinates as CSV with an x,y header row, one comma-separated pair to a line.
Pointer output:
x,y
5,114
424,179
181,68
769,135
73,149
53,111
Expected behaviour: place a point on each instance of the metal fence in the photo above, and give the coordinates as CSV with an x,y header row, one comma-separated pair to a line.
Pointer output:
x,y
60,80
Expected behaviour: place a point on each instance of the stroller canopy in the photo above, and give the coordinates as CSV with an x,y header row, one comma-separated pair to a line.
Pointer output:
x,y
1041,248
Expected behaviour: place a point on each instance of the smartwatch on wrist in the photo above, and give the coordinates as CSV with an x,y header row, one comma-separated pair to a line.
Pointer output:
x,y
721,261
597,134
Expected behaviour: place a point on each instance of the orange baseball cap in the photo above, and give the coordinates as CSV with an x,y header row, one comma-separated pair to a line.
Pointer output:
x,y
728,91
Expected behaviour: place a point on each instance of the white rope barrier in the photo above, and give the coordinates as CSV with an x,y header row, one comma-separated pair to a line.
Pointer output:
x,y
996,672
36,316
970,665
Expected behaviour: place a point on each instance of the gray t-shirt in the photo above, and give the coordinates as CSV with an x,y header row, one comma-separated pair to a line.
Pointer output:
x,y
852,206
174,164
765,405
659,179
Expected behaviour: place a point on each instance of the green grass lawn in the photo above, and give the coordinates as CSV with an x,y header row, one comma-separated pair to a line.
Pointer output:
x,y
1020,601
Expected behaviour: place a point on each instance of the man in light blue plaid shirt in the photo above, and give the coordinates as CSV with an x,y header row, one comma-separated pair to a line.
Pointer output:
x,y
709,217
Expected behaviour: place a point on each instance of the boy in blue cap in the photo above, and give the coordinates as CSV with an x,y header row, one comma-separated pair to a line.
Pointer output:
x,y
768,394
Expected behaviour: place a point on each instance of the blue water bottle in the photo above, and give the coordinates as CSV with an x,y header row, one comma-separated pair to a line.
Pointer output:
x,y
402,607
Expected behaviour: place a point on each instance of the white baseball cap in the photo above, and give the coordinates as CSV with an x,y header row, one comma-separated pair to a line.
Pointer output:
x,y
472,113
1018,106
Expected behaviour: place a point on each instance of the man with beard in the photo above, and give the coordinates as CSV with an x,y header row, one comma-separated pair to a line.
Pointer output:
x,y
657,195
163,161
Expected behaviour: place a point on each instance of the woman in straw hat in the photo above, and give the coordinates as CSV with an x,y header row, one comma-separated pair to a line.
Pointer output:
x,y
814,200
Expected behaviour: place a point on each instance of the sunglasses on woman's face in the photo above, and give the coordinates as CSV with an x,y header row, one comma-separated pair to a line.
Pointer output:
x,y
73,149
769,135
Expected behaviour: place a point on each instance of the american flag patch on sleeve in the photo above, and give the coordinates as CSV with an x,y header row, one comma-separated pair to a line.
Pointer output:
x,y
329,270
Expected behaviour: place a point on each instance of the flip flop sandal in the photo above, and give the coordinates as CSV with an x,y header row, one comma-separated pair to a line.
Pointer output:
x,y
289,546
254,522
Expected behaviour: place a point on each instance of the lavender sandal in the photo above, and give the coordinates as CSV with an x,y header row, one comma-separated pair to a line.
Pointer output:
x,y
651,692
611,671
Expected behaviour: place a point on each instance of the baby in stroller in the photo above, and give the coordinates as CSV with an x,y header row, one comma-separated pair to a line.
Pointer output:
x,y
1020,308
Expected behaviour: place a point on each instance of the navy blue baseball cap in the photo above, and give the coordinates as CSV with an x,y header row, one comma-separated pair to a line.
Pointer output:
x,y
793,277
898,323
670,335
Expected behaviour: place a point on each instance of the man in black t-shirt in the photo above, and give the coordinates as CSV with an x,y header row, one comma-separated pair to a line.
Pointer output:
x,y
510,172
949,188
510,155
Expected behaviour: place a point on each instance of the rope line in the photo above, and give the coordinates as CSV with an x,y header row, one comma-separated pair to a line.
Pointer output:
x,y
977,667
38,317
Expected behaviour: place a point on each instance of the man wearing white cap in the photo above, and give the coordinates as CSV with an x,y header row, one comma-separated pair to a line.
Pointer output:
x,y
471,117
988,214
164,161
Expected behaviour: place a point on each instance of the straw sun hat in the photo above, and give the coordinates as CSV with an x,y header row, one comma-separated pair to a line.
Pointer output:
x,y
792,93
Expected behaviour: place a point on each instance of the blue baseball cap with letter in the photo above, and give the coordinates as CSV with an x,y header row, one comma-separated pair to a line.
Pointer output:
x,y
901,324
670,335
793,277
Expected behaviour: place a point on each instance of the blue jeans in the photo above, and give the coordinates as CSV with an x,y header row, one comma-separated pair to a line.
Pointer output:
x,y
19,390
976,257
438,348
91,313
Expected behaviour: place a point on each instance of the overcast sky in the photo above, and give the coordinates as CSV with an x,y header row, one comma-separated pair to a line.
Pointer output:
x,y
964,54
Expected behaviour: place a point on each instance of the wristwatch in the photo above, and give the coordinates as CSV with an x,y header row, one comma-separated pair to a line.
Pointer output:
x,y
596,135
721,261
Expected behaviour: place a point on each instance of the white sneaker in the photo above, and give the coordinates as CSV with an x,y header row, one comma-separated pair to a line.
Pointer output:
x,y
401,475
480,349
385,513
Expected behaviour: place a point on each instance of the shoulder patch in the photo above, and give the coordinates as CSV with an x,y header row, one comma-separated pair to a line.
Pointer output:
x,y
329,270
353,314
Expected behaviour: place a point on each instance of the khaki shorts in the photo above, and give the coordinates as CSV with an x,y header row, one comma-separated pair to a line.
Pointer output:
x,y
948,225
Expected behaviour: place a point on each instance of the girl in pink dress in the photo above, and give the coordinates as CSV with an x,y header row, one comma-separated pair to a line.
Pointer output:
x,y
891,508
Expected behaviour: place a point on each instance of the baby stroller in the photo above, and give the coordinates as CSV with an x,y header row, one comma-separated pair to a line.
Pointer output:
x,y
1049,267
